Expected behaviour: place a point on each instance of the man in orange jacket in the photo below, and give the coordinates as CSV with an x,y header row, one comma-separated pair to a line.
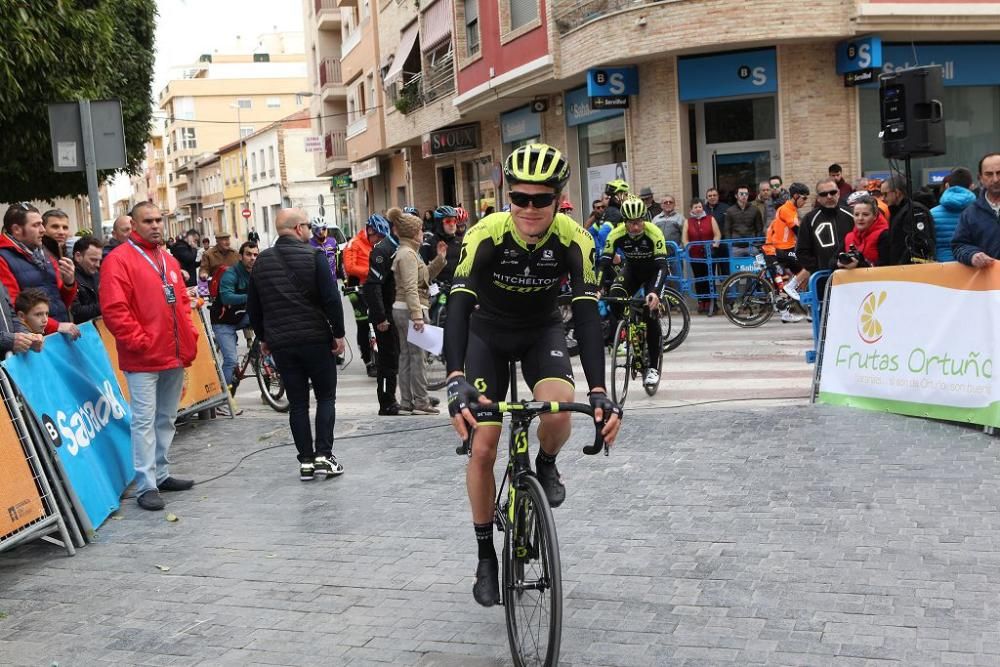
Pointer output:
x,y
356,259
145,306
779,247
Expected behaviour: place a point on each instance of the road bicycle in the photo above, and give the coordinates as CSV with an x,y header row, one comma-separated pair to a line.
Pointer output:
x,y
629,349
750,298
531,584
435,369
253,363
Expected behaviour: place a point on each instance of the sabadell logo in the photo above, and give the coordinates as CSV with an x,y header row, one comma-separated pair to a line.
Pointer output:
x,y
869,328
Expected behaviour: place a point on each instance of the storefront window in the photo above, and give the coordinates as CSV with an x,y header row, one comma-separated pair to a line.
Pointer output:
x,y
748,119
602,154
972,127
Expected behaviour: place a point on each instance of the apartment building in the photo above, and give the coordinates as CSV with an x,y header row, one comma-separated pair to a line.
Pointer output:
x,y
223,97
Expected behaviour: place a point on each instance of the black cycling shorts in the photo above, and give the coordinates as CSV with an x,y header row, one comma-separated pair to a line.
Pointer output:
x,y
542,353
786,258
630,280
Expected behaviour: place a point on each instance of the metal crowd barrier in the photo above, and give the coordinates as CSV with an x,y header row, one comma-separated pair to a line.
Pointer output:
x,y
811,300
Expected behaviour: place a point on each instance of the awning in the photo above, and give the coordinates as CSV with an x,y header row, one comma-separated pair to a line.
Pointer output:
x,y
437,25
406,43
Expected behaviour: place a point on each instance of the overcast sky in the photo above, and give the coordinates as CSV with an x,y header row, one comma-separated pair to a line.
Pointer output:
x,y
185,29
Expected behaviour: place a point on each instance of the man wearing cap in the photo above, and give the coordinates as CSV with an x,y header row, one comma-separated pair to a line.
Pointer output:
x,y
652,208
218,256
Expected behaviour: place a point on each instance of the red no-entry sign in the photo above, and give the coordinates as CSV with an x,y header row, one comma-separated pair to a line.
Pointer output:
x,y
246,213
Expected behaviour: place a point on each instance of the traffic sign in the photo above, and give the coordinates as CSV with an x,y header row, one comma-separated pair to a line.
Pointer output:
x,y
246,213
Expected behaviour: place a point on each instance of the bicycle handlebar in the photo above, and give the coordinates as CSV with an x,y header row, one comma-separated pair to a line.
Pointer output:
x,y
535,408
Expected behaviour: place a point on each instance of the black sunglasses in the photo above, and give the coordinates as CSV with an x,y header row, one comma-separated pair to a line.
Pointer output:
x,y
828,193
522,199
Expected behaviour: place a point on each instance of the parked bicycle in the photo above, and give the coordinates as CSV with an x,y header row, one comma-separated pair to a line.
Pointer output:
x,y
435,369
750,298
629,349
531,585
261,366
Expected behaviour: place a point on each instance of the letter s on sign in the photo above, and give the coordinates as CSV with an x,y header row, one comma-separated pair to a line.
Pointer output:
x,y
759,76
865,56
616,83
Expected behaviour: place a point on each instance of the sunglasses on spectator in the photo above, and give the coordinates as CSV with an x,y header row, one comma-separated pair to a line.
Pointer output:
x,y
541,200
828,193
668,201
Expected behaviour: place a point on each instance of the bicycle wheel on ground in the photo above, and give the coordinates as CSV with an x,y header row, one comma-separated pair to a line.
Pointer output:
x,y
532,579
621,363
434,364
676,321
272,389
747,299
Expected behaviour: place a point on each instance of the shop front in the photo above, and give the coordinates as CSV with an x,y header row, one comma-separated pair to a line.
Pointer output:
x,y
733,118
462,166
971,106
599,135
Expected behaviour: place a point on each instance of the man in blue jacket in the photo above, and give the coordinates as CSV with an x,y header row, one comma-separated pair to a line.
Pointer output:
x,y
977,238
229,315
957,197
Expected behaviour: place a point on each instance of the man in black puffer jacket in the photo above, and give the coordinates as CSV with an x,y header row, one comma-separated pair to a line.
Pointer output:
x,y
380,291
295,310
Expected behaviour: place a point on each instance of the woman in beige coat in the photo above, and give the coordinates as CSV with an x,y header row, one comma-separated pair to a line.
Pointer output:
x,y
412,301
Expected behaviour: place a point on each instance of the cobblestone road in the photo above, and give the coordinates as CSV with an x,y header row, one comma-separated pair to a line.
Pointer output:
x,y
794,535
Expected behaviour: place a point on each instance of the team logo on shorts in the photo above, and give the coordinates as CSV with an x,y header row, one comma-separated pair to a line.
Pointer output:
x,y
557,353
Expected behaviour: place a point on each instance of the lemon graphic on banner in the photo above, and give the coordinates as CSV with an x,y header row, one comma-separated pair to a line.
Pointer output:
x,y
869,328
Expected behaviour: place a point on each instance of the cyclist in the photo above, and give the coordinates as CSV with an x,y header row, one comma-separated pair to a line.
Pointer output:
x,y
615,191
322,241
503,307
446,229
644,249
356,261
779,248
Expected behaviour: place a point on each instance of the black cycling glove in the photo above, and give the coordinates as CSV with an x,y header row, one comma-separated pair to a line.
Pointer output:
x,y
461,395
598,399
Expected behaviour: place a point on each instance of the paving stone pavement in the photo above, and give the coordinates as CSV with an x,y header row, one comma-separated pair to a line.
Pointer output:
x,y
789,535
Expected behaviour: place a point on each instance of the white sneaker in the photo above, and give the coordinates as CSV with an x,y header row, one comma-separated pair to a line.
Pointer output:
x,y
652,377
788,316
790,290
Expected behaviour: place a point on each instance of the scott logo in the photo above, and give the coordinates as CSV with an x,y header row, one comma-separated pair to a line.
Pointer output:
x,y
869,328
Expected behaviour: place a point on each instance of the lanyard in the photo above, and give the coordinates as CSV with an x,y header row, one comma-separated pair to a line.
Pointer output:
x,y
161,271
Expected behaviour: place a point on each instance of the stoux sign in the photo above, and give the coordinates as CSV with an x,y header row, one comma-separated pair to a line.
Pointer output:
x,y
451,140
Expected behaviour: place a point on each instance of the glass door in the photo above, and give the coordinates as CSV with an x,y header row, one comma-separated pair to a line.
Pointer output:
x,y
732,170
737,144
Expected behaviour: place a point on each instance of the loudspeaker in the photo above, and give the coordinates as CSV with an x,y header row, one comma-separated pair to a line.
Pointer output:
x,y
912,114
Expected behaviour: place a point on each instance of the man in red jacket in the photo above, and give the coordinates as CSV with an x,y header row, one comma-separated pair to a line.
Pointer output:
x,y
146,308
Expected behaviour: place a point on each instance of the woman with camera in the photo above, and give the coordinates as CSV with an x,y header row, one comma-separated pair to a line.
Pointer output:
x,y
868,242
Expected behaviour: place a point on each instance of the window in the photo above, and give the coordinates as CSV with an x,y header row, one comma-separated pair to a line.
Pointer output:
x,y
244,102
263,167
253,165
262,57
246,131
183,108
273,102
188,139
471,27
522,12
270,160
299,100
371,92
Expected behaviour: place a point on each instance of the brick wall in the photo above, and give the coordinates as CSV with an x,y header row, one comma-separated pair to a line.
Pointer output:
x,y
654,139
818,116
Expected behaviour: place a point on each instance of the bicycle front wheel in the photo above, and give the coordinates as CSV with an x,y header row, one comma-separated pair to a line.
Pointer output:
x,y
676,319
532,579
621,363
272,389
747,299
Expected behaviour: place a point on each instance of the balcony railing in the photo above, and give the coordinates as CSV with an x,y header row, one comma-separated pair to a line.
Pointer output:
x,y
357,126
423,88
352,40
335,143
570,14
329,72
325,4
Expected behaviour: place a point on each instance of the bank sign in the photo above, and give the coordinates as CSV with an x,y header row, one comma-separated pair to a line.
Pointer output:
x,y
728,75
874,358
973,64
859,55
451,140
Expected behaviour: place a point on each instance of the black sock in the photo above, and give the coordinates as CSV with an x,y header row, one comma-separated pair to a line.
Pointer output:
x,y
484,538
545,459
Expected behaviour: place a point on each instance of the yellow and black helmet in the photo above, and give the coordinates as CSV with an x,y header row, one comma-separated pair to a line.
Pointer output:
x,y
633,208
540,164
616,187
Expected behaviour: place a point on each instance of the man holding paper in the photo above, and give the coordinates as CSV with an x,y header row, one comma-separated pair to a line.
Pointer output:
x,y
412,301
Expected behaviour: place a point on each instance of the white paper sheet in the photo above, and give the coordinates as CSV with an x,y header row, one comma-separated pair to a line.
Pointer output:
x,y
430,339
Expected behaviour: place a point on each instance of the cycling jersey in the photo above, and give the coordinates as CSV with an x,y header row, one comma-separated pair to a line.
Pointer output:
x,y
783,229
644,255
516,285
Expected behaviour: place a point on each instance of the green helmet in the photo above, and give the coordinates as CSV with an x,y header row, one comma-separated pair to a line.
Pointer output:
x,y
633,208
616,187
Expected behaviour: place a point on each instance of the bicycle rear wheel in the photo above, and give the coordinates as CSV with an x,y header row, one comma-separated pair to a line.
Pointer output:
x,y
676,321
621,362
747,299
532,579
272,389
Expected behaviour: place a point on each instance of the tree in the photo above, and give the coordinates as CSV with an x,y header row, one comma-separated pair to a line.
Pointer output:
x,y
62,51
